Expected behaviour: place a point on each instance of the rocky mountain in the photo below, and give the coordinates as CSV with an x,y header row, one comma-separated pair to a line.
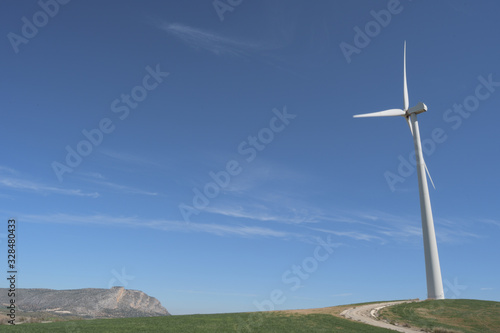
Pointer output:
x,y
116,302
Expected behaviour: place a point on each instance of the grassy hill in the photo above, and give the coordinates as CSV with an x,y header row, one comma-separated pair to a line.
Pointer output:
x,y
453,315
450,315
218,323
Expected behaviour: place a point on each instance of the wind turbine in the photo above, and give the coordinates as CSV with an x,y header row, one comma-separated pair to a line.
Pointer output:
x,y
432,268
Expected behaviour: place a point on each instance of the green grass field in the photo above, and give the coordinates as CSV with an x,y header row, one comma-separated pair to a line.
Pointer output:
x,y
450,315
220,323
453,315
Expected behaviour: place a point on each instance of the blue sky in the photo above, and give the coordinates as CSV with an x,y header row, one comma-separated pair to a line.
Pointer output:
x,y
260,96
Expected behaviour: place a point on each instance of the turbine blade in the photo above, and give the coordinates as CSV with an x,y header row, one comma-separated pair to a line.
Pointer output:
x,y
428,174
386,113
425,164
409,125
406,101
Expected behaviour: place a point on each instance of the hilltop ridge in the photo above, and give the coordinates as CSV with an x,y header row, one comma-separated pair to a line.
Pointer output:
x,y
116,302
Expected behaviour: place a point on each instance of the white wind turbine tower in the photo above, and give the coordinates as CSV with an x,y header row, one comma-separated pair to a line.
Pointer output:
x,y
432,268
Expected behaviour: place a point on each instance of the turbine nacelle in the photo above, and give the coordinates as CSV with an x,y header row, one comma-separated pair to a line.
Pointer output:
x,y
419,108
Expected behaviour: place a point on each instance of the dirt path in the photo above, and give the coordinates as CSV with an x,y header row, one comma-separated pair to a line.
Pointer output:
x,y
367,314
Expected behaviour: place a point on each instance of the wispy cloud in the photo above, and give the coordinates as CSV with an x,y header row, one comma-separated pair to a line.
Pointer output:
x,y
263,174
357,235
401,231
4,169
125,189
262,213
241,230
31,186
354,225
455,235
128,158
265,50
99,179
240,225
280,208
265,205
209,41
160,224
400,227
490,221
